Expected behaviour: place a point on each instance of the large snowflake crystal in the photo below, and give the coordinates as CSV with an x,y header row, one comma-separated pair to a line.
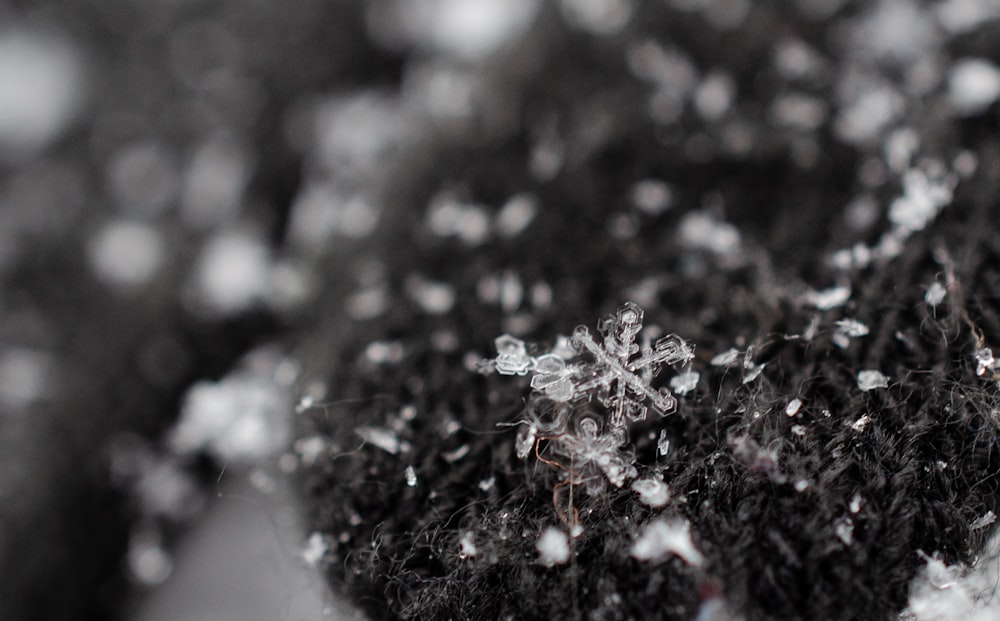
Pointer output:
x,y
616,372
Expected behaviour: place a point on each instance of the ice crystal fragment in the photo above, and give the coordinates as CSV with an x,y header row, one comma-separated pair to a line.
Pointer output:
x,y
652,493
935,294
512,356
553,547
753,373
663,444
869,379
685,382
985,361
726,358
862,422
793,407
661,538
983,521
383,439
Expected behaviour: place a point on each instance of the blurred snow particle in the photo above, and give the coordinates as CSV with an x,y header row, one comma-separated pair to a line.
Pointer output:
x,y
41,90
867,113
368,303
24,376
316,548
855,504
553,547
148,563
714,96
961,16
214,182
869,379
320,211
652,196
411,476
242,418
599,17
973,85
935,294
983,521
232,273
449,217
434,298
126,254
356,132
652,493
661,538
700,230
516,214
685,382
828,298
142,178
799,112
897,30
846,330
468,29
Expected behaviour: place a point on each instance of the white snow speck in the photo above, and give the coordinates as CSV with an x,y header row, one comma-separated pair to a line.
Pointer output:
x,y
24,376
553,547
855,504
973,85
467,546
652,493
935,294
844,529
599,17
793,407
985,361
714,96
661,538
869,379
411,477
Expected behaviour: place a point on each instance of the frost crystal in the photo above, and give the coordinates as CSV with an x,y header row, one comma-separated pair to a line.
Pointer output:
x,y
869,379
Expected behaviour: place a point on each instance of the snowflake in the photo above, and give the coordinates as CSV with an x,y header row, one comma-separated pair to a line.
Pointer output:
x,y
618,374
